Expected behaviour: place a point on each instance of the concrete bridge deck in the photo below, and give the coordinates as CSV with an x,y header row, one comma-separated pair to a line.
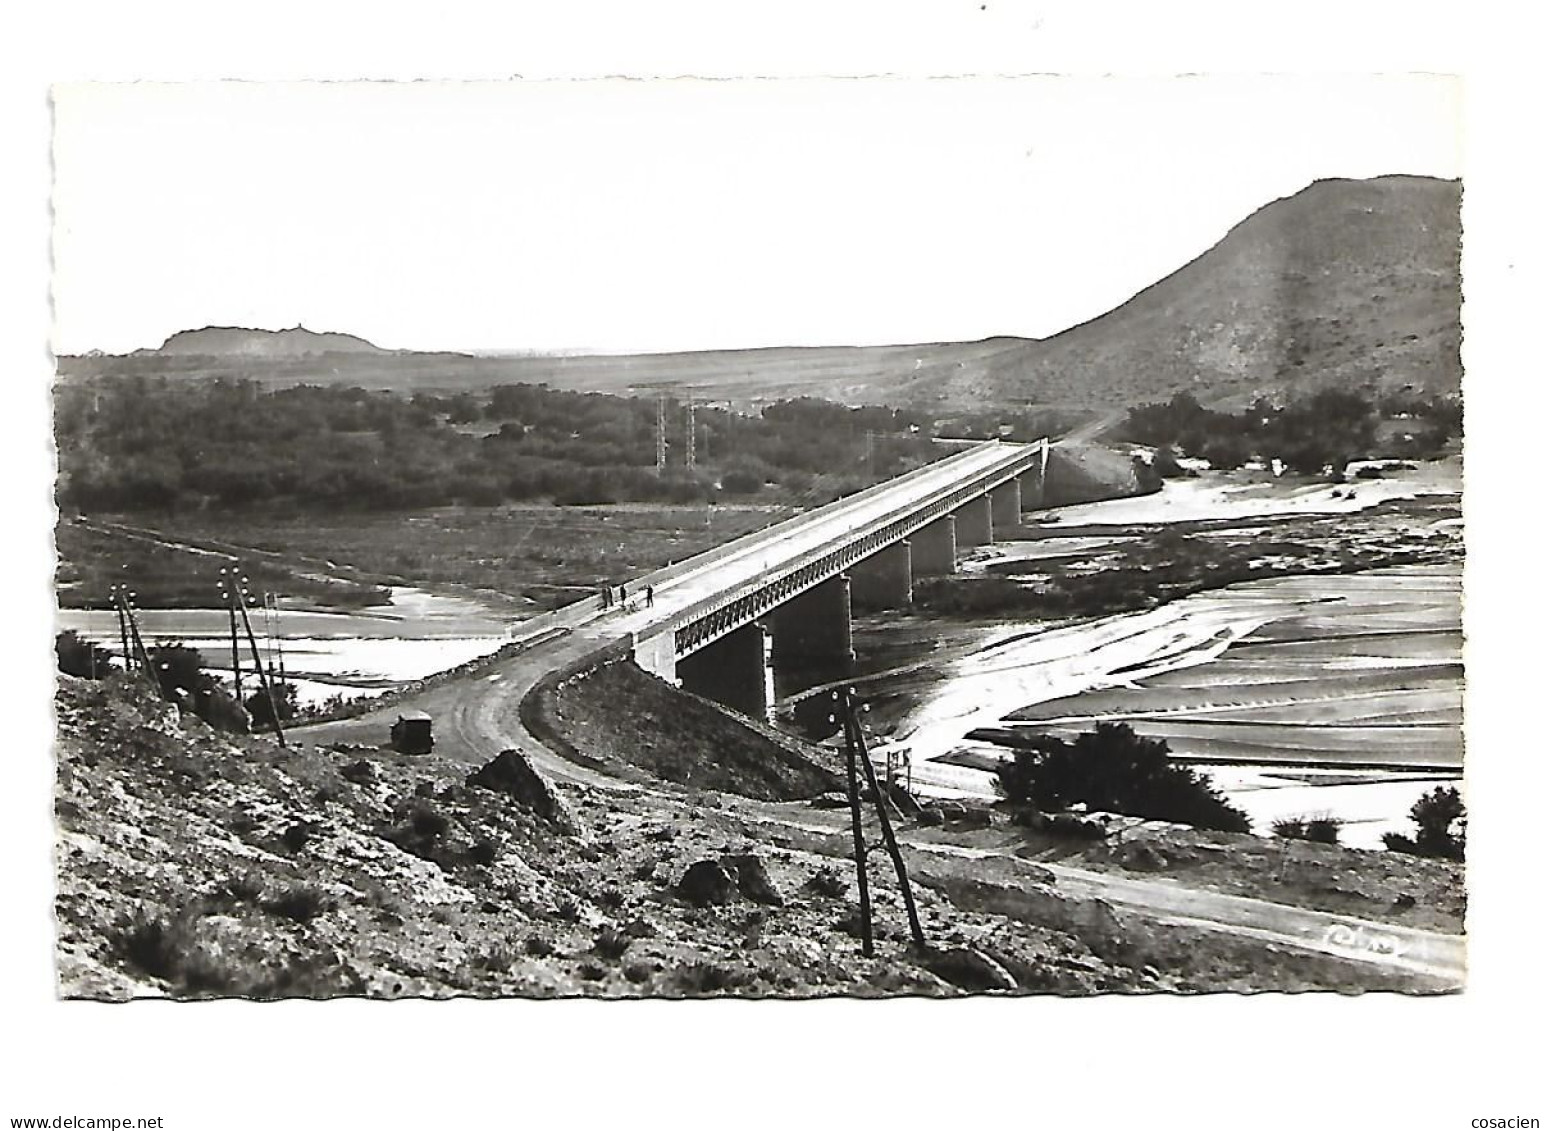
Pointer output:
x,y
761,569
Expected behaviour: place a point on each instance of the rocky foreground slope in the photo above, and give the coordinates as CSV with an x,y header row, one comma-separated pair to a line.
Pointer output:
x,y
191,864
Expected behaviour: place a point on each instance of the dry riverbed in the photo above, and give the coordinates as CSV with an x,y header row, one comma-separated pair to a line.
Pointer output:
x,y
1263,646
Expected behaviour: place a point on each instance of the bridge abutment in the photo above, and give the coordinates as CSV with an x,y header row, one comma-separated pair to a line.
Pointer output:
x,y
1032,481
1007,507
934,548
732,671
974,521
883,580
655,654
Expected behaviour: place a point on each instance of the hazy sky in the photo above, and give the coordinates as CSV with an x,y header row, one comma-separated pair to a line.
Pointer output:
x,y
683,214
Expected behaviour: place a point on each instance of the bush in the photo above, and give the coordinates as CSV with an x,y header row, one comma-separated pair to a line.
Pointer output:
x,y
181,676
742,482
80,657
1115,770
1440,819
257,704
426,821
1324,830
610,943
149,946
1321,830
295,837
300,903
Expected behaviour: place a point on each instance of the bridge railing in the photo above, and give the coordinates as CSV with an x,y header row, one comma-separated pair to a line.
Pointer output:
x,y
748,541
577,612
742,603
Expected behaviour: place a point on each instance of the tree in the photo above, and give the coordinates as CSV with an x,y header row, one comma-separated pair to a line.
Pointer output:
x,y
1226,450
285,704
1440,820
1113,769
180,673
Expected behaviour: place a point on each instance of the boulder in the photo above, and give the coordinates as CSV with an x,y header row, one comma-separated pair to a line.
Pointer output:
x,y
752,878
1077,826
1094,921
360,772
1141,857
972,816
706,883
509,772
969,969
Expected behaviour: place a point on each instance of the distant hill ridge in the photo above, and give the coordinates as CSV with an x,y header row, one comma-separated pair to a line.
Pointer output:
x,y
1348,282
240,341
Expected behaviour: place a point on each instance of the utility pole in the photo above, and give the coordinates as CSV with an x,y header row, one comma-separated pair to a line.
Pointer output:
x,y
858,843
258,665
123,628
856,752
127,611
228,588
274,610
662,434
889,842
689,433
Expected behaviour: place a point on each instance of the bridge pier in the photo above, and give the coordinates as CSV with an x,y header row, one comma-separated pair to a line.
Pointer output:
x,y
732,671
1031,484
1007,506
974,521
934,548
815,625
882,580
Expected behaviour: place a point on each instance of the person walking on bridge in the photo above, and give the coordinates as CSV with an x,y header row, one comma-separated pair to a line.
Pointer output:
x,y
649,596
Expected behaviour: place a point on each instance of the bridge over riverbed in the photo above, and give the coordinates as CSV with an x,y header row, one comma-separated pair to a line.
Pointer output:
x,y
788,591
716,621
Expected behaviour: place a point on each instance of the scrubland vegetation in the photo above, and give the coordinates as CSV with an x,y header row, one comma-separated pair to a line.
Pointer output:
x,y
1312,434
1114,770
159,445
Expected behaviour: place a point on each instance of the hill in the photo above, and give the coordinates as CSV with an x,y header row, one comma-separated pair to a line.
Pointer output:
x,y
1346,282
239,341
